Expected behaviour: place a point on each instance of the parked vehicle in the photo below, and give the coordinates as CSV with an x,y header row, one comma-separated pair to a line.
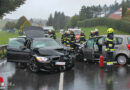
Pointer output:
x,y
39,52
77,33
95,47
47,29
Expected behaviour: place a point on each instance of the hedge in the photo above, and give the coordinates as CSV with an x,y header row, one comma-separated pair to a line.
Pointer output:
x,y
120,25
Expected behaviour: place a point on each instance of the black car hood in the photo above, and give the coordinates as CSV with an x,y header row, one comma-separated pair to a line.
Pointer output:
x,y
51,52
34,32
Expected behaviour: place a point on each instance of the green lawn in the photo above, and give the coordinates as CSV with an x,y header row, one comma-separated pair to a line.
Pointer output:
x,y
102,30
4,36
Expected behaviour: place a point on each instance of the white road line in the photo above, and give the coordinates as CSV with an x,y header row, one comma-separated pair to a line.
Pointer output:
x,y
61,81
3,62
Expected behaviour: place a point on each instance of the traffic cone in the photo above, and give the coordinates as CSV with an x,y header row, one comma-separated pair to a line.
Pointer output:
x,y
101,62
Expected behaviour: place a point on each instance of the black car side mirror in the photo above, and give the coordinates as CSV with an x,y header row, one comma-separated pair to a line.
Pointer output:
x,y
22,47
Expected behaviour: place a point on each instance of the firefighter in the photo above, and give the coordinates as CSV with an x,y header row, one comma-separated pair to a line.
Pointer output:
x,y
52,34
110,43
72,40
91,34
96,32
82,38
62,38
68,38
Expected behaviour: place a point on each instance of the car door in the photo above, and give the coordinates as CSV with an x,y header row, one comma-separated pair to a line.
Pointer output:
x,y
89,49
14,52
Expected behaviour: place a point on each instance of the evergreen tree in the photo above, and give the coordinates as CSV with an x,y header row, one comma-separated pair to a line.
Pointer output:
x,y
124,8
50,21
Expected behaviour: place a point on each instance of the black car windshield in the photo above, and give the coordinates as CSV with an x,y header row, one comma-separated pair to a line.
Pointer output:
x,y
46,44
77,32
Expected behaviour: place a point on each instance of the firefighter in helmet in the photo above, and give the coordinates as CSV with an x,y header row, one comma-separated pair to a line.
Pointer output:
x,y
52,34
82,38
96,32
68,38
72,40
110,43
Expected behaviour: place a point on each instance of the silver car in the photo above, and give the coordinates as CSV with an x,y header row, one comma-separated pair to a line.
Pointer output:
x,y
95,47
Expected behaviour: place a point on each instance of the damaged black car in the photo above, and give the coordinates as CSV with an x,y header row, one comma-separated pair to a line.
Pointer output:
x,y
39,52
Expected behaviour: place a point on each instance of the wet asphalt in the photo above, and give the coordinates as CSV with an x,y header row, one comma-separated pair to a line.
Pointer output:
x,y
85,76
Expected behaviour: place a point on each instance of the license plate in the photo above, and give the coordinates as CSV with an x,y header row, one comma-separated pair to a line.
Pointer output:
x,y
60,63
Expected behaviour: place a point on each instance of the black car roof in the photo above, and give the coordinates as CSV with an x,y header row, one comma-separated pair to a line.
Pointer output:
x,y
34,32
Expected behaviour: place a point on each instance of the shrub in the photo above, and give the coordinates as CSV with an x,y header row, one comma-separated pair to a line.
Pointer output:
x,y
121,25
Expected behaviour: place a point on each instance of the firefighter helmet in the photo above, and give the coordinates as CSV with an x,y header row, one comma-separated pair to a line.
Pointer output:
x,y
110,30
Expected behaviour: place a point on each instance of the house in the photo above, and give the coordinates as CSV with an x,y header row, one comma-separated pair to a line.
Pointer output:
x,y
117,14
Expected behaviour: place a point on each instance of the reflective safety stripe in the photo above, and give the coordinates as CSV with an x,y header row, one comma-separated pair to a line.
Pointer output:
x,y
68,45
110,63
109,49
110,45
109,39
106,49
112,49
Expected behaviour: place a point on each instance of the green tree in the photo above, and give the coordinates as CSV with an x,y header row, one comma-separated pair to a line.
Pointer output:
x,y
50,21
20,21
9,25
74,20
6,6
25,24
83,13
124,8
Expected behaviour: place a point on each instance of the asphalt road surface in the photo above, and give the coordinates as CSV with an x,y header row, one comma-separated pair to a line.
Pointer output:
x,y
85,76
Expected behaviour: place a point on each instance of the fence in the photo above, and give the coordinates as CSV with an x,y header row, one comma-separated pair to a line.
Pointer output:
x,y
3,51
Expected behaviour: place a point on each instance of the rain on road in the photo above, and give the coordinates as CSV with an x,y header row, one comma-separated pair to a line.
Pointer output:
x,y
85,76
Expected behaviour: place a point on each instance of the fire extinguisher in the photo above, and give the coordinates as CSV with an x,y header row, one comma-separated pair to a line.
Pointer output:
x,y
101,62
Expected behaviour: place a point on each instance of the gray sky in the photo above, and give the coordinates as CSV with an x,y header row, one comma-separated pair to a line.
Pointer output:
x,y
43,8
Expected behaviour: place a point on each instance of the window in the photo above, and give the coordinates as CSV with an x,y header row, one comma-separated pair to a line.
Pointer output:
x,y
128,40
90,43
119,40
47,43
16,42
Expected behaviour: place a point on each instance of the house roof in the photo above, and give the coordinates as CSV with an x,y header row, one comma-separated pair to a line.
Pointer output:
x,y
117,14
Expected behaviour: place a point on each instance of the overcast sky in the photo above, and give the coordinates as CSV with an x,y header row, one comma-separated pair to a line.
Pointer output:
x,y
43,8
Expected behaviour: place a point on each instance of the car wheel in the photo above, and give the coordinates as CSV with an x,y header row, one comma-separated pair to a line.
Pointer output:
x,y
33,65
122,59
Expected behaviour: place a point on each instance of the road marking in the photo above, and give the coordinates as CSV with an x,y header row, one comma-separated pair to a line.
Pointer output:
x,y
61,81
3,62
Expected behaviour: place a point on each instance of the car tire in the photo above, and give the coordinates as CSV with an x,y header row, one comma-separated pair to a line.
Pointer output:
x,y
33,67
121,59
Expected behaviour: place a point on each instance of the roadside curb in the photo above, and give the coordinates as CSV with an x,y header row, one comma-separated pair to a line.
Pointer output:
x,y
3,62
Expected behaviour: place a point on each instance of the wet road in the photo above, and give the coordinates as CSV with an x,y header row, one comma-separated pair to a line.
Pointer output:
x,y
83,77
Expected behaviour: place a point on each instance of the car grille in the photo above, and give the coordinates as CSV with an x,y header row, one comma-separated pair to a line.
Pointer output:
x,y
56,58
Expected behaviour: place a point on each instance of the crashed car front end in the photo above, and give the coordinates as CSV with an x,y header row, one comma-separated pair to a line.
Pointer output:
x,y
52,56
63,61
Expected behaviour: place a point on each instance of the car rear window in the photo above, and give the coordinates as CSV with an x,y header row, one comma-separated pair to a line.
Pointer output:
x,y
128,40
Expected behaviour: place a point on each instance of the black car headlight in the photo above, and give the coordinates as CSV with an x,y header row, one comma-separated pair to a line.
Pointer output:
x,y
42,59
